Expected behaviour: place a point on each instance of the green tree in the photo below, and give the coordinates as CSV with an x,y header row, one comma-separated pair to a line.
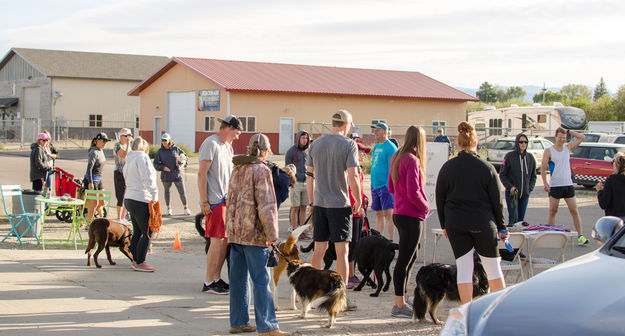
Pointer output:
x,y
515,92
602,109
600,90
501,94
576,90
619,103
486,93
550,97
582,103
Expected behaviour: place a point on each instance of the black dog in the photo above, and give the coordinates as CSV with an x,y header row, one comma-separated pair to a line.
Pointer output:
x,y
438,281
330,256
374,254
200,229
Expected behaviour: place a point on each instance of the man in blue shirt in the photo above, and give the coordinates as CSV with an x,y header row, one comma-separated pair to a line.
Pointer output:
x,y
382,200
443,138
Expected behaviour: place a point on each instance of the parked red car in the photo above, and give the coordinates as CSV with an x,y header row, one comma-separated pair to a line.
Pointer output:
x,y
592,162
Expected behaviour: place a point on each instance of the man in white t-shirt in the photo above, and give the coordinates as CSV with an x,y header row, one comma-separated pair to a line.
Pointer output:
x,y
557,159
213,176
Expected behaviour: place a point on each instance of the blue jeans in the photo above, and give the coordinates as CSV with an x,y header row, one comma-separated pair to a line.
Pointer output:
x,y
519,210
252,259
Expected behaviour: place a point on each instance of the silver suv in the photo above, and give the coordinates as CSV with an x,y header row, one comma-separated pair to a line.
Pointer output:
x,y
502,146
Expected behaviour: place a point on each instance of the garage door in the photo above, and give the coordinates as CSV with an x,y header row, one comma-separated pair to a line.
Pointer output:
x,y
181,117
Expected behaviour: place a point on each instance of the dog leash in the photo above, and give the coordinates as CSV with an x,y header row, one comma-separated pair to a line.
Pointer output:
x,y
276,250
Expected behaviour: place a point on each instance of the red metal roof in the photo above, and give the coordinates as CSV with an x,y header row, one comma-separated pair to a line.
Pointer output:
x,y
306,79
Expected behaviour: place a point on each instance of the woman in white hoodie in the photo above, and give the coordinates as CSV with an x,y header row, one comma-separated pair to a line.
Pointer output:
x,y
141,188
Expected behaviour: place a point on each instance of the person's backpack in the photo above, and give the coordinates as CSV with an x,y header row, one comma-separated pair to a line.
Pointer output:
x,y
281,182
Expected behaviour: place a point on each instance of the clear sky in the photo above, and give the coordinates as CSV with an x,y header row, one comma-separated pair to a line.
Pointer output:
x,y
461,43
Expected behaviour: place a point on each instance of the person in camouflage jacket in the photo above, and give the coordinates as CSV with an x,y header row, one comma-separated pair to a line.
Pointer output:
x,y
251,227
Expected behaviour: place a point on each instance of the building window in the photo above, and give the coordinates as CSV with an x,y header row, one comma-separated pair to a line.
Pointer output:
x,y
436,124
137,123
494,126
209,123
208,100
542,118
248,123
95,120
375,122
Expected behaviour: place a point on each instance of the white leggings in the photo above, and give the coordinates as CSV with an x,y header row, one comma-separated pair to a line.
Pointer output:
x,y
465,268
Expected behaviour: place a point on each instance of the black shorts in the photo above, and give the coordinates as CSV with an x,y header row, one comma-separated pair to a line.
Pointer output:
x,y
484,242
96,185
120,187
356,231
562,192
332,224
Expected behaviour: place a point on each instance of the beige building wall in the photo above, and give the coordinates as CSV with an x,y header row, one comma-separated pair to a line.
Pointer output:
x,y
82,97
177,79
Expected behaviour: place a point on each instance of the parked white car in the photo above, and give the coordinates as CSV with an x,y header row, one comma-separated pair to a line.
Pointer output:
x,y
502,146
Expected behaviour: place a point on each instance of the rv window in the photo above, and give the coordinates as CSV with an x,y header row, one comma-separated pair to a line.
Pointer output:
x,y
494,126
542,118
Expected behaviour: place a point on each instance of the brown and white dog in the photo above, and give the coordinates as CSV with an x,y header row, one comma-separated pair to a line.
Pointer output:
x,y
108,233
324,289
289,250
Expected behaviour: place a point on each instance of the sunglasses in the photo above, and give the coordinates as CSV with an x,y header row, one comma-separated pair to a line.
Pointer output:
x,y
524,142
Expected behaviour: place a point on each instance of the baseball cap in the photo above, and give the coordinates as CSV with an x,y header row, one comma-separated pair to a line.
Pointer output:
x,y
355,136
125,131
263,141
381,125
43,136
232,121
165,136
102,136
362,147
341,115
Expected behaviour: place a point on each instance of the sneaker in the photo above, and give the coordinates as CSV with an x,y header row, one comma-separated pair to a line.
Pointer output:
x,y
215,288
350,306
127,216
187,212
581,240
352,282
168,213
247,328
410,301
143,267
403,312
275,332
223,284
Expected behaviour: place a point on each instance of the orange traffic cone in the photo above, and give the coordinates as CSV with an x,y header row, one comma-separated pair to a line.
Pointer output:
x,y
177,245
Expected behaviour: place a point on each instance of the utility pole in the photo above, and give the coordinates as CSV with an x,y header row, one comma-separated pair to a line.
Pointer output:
x,y
544,90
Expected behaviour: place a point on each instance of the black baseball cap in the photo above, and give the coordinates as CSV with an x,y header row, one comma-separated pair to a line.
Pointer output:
x,y
102,136
232,121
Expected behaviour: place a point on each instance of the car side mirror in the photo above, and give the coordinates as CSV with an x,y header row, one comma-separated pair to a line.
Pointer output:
x,y
605,228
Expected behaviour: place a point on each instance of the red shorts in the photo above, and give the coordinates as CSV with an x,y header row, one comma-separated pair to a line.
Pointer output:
x,y
216,222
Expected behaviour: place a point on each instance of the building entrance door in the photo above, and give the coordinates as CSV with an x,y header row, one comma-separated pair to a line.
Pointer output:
x,y
181,117
287,129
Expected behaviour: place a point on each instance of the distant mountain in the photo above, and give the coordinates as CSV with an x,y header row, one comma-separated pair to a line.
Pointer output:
x,y
530,90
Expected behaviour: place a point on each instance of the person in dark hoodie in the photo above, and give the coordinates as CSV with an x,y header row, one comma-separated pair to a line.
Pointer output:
x,y
610,193
298,155
170,161
518,175
39,162
93,175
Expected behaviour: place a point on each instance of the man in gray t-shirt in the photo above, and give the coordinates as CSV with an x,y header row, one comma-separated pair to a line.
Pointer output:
x,y
332,166
213,175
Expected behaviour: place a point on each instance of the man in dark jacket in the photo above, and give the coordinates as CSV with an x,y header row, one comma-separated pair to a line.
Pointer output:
x,y
518,175
298,155
39,162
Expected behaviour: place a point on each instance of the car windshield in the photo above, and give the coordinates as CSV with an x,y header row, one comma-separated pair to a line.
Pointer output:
x,y
619,246
504,145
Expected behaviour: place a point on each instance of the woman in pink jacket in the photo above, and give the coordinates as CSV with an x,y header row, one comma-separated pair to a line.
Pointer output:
x,y
406,181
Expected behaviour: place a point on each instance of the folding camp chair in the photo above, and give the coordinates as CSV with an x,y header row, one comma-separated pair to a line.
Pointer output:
x,y
517,241
552,244
96,195
17,219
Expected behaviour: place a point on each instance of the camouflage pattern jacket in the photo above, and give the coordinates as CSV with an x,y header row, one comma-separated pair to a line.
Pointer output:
x,y
251,210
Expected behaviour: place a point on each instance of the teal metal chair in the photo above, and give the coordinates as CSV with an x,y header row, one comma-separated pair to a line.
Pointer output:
x,y
17,219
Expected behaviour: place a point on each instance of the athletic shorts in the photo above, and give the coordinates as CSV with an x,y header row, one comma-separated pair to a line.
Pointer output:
x,y
356,230
484,242
216,222
562,192
332,224
299,194
96,185
382,199
120,187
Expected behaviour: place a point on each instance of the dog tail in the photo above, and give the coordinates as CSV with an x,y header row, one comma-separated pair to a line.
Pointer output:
x,y
198,224
420,303
336,300
292,239
308,248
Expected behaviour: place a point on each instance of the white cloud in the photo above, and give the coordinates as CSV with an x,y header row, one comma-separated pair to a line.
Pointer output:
x,y
461,43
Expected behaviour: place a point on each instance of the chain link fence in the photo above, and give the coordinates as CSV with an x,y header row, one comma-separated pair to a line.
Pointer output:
x,y
67,133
